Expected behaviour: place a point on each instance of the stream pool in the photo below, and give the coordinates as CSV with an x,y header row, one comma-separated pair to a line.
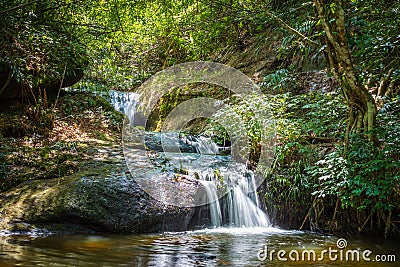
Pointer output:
x,y
213,247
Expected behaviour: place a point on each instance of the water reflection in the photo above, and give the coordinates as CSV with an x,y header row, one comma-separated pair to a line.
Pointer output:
x,y
210,247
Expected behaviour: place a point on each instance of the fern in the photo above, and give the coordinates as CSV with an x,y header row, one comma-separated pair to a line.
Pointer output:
x,y
291,41
279,81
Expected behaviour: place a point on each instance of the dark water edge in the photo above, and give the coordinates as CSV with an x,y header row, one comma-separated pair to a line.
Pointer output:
x,y
209,247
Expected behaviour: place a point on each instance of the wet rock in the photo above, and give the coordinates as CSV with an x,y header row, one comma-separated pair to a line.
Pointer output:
x,y
103,198
154,142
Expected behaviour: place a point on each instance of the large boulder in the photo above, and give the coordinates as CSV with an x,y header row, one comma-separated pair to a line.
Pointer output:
x,y
102,198
11,88
12,91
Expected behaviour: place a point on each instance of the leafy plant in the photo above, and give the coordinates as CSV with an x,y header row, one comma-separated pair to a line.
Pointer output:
x,y
279,82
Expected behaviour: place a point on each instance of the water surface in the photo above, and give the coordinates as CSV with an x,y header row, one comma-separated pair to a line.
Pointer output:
x,y
208,247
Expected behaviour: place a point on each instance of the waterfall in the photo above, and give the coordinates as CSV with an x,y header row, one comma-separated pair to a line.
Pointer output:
x,y
124,102
238,204
204,145
212,199
230,194
243,212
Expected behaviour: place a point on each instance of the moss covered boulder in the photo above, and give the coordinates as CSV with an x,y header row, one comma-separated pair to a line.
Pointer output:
x,y
103,198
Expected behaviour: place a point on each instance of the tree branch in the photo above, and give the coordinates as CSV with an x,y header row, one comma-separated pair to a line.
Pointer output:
x,y
320,140
328,32
384,84
292,30
18,7
6,83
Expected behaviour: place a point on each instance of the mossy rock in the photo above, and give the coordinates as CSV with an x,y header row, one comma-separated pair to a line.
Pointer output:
x,y
102,198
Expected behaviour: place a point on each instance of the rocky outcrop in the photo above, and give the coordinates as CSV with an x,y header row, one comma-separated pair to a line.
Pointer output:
x,y
10,88
169,143
102,198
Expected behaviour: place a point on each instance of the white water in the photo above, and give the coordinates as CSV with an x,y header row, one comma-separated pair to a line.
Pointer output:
x,y
212,197
204,145
243,212
231,196
235,200
124,103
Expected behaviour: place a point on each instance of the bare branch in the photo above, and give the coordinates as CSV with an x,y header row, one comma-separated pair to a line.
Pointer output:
x,y
18,7
292,30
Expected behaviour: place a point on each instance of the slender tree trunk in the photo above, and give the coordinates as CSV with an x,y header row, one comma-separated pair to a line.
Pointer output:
x,y
362,107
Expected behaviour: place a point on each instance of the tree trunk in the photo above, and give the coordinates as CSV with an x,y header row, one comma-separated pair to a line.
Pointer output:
x,y
362,109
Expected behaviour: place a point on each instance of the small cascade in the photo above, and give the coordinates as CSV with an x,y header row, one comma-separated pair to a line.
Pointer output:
x,y
212,199
204,145
248,185
240,206
230,194
124,102
242,211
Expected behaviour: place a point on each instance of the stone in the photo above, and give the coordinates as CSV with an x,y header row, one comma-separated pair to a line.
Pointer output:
x,y
103,198
10,88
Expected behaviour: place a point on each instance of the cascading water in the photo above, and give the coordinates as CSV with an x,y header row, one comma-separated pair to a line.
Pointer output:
x,y
230,194
124,103
215,209
243,212
205,145
239,206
